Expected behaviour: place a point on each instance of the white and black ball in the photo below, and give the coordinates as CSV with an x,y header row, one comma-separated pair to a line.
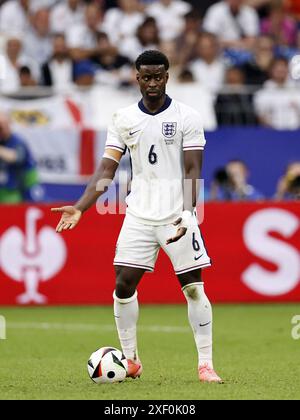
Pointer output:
x,y
107,365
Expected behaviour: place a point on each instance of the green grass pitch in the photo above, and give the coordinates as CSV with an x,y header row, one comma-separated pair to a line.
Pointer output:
x,y
46,351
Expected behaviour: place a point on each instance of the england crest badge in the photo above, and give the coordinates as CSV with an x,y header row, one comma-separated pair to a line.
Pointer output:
x,y
169,129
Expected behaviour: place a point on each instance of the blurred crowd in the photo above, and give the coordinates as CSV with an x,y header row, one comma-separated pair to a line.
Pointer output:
x,y
245,52
19,179
231,183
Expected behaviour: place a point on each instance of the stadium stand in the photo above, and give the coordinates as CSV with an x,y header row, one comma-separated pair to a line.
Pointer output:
x,y
241,57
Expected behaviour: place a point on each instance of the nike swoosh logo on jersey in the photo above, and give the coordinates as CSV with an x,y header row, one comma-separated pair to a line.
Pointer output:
x,y
198,258
132,133
205,325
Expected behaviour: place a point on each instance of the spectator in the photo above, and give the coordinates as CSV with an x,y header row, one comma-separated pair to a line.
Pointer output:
x,y
84,74
234,107
257,69
262,6
169,49
65,15
208,68
18,174
186,43
14,16
82,39
58,71
26,78
37,40
280,26
109,4
278,103
231,184
147,38
36,5
122,22
294,188
288,186
236,24
195,95
13,59
169,15
186,76
203,5
113,68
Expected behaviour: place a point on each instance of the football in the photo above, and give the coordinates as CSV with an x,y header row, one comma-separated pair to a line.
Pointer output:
x,y
107,365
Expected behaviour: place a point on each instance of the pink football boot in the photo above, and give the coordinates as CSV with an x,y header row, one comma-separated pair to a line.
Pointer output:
x,y
135,369
207,374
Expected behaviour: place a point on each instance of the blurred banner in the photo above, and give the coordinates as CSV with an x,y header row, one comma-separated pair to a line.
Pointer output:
x,y
67,136
70,155
254,248
65,155
94,107
51,113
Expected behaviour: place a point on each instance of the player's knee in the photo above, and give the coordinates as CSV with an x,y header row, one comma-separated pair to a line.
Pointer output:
x,y
124,286
190,282
192,292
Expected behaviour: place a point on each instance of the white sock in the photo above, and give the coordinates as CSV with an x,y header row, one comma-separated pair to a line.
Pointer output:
x,y
126,316
200,317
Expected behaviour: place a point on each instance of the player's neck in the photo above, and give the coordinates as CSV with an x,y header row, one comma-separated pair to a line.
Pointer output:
x,y
154,106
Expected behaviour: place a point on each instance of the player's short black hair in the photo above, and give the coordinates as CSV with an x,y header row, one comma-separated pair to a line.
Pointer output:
x,y
152,58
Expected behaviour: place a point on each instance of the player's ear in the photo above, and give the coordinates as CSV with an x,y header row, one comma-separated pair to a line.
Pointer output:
x,y
167,77
138,77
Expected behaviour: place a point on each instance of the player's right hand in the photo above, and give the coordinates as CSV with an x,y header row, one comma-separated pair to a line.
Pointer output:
x,y
69,219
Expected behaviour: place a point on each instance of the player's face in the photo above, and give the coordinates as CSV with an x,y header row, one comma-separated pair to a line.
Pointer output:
x,y
152,81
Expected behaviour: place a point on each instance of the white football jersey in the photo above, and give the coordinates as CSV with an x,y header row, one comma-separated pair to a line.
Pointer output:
x,y
156,143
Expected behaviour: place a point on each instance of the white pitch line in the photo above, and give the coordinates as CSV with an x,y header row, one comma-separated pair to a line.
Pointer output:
x,y
92,327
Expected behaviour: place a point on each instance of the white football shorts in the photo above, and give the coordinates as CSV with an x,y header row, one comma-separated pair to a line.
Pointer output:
x,y
138,246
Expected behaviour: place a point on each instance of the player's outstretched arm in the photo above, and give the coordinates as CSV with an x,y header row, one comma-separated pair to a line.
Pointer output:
x,y
69,219
101,179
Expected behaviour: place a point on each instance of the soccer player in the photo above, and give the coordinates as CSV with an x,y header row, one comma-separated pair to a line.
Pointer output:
x,y
166,140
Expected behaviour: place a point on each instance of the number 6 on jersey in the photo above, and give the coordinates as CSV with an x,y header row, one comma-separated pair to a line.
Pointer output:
x,y
152,156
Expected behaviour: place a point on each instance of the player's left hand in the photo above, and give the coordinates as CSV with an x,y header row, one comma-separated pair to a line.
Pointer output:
x,y
179,234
